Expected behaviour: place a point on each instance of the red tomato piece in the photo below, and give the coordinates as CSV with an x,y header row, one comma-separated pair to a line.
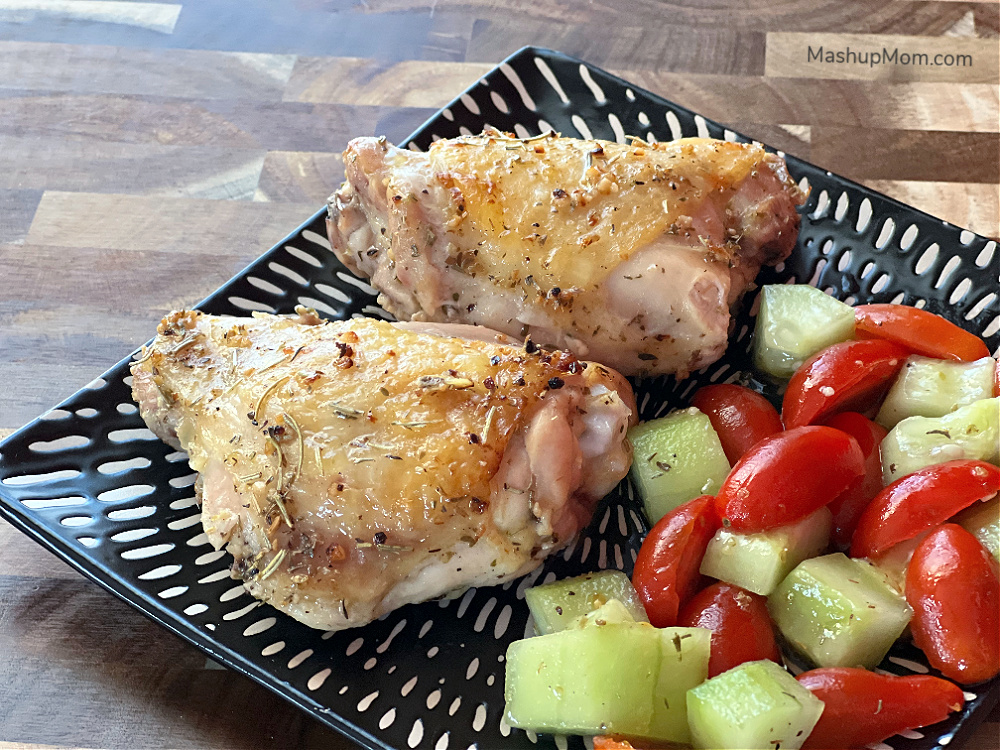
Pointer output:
x,y
787,476
862,707
920,501
666,569
849,506
741,417
740,624
920,331
852,376
953,589
615,742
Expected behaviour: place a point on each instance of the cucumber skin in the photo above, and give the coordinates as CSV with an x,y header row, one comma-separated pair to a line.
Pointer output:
x,y
839,612
721,718
929,387
590,591
686,443
794,322
971,431
759,562
982,520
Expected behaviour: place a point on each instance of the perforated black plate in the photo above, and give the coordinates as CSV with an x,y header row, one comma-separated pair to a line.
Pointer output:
x,y
88,481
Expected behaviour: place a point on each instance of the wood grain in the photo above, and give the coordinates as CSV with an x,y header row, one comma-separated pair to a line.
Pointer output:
x,y
146,156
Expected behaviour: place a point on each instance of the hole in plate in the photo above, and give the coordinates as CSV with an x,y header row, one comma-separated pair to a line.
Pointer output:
x,y
87,413
260,626
53,415
128,492
185,481
251,305
288,273
332,291
843,203
131,514
319,306
273,649
963,288
927,259
161,572
949,267
299,658
196,609
67,442
209,557
39,503
303,256
21,480
317,239
143,553
115,467
132,535
864,216
986,254
885,234
266,286
133,433
980,306
172,592
184,502
74,521
184,523
356,282
127,408
908,237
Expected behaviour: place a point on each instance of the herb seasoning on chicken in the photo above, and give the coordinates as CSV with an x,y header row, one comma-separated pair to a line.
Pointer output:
x,y
631,255
357,466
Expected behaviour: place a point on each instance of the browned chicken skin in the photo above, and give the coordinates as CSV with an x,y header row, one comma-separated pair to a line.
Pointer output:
x,y
628,255
356,466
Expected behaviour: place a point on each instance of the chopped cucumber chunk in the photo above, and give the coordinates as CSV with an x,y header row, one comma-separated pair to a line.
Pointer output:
x,y
612,612
759,562
626,679
554,606
676,458
685,654
793,323
589,681
755,706
839,612
971,431
982,520
934,387
896,560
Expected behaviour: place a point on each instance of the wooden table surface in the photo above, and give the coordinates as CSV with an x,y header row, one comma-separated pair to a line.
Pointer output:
x,y
150,150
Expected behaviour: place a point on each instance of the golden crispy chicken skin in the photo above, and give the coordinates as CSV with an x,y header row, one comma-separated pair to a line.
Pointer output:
x,y
356,466
628,255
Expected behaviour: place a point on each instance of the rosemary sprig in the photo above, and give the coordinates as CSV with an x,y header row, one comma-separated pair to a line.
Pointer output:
x,y
263,397
298,435
272,565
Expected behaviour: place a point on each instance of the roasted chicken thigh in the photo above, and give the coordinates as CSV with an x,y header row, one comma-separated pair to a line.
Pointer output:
x,y
353,467
628,255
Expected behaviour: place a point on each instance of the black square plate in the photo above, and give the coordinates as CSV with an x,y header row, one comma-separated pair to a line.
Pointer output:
x,y
88,481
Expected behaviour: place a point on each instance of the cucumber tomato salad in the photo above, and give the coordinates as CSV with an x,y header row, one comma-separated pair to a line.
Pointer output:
x,y
865,512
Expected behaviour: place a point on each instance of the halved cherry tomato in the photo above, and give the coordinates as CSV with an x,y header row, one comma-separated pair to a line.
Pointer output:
x,y
615,742
666,569
852,376
955,595
849,506
863,707
920,331
741,417
787,476
740,624
920,501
